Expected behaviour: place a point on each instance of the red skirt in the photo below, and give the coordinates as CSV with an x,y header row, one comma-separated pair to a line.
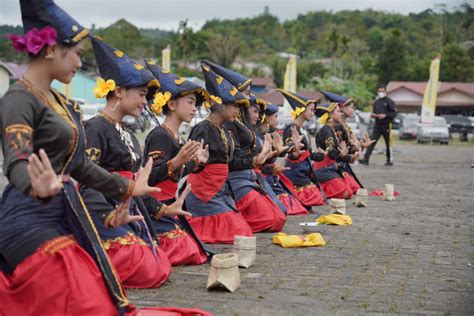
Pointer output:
x,y
293,206
351,182
136,265
220,228
181,248
336,188
60,278
260,212
310,195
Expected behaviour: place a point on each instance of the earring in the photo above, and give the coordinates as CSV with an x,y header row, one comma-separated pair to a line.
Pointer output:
x,y
116,104
48,57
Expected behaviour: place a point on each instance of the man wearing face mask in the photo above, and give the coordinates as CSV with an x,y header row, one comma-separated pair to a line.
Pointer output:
x,y
384,112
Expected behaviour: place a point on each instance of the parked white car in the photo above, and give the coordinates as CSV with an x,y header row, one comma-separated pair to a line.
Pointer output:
x,y
409,126
436,132
90,110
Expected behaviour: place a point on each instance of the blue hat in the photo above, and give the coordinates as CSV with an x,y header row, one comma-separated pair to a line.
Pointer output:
x,y
236,79
296,100
271,109
324,108
41,13
332,97
115,66
173,85
260,103
218,86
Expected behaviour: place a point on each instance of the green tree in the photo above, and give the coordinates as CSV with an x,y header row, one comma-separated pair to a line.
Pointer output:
x,y
223,49
392,61
456,64
126,37
185,39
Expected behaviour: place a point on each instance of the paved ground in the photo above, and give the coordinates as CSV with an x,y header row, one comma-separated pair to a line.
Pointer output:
x,y
414,255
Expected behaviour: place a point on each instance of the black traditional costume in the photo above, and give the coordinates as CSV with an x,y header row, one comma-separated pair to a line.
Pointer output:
x,y
327,168
300,178
162,145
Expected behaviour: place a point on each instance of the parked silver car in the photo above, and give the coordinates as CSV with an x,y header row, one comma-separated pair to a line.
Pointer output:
x,y
436,132
409,125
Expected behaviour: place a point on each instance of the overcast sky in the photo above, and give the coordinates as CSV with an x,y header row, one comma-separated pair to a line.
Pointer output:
x,y
167,14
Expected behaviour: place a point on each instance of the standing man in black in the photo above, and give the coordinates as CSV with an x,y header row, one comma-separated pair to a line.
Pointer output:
x,y
384,112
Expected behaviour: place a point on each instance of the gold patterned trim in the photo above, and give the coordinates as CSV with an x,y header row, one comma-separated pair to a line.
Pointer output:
x,y
54,245
161,211
126,240
93,154
244,85
109,218
175,233
120,296
299,189
80,36
17,127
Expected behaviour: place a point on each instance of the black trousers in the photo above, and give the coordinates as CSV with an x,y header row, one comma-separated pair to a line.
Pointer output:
x,y
384,130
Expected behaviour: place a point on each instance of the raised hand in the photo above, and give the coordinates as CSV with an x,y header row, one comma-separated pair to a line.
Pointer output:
x,y
279,168
356,155
141,183
176,208
122,215
202,153
322,151
185,154
355,141
278,143
44,180
266,150
297,138
366,141
343,148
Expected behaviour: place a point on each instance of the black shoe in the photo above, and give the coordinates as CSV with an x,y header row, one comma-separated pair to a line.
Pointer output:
x,y
364,161
389,163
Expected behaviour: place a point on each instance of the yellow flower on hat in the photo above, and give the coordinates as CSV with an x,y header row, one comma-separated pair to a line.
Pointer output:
x,y
159,101
219,79
297,112
118,53
103,87
138,67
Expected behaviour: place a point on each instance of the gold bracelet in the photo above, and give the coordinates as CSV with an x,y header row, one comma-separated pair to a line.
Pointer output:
x,y
169,164
109,218
130,188
161,211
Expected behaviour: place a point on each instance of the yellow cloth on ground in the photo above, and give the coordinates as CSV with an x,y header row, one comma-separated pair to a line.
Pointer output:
x,y
293,241
335,219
